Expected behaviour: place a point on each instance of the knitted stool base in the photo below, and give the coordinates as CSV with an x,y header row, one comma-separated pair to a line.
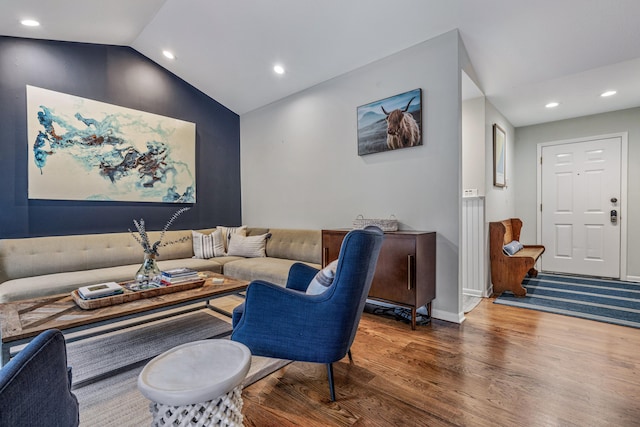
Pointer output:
x,y
223,411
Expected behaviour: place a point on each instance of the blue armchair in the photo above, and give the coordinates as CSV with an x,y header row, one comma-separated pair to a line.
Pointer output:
x,y
35,386
289,324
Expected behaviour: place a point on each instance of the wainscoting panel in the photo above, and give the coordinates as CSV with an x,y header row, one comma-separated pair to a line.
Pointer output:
x,y
474,263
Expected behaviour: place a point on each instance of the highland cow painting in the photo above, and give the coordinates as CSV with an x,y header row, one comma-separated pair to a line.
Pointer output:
x,y
390,123
81,149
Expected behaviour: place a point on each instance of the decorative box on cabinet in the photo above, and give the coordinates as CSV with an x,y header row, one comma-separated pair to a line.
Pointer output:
x,y
406,270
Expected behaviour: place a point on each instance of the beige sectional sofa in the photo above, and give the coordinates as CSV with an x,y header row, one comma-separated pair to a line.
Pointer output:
x,y
40,266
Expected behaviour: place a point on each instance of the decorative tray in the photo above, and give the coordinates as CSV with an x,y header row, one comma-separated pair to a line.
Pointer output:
x,y
129,295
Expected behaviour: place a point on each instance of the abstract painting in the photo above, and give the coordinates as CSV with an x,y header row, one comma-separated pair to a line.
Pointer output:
x,y
499,153
82,149
390,123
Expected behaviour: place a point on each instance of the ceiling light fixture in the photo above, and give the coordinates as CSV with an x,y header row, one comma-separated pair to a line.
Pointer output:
x,y
30,23
279,69
168,54
608,93
552,104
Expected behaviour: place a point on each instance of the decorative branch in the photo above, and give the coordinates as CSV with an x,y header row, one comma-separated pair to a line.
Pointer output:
x,y
143,238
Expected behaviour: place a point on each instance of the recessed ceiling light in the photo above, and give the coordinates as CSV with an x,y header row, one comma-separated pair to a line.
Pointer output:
x,y
279,69
168,54
552,104
29,22
608,93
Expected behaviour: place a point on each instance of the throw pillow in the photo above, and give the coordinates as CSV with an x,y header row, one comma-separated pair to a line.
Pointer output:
x,y
207,246
218,243
202,245
228,231
510,249
323,279
248,246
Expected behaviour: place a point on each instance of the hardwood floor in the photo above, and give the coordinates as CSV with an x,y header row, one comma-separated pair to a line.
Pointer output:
x,y
504,366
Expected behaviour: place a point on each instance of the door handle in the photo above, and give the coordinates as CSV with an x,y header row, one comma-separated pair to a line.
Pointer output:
x,y
410,267
614,216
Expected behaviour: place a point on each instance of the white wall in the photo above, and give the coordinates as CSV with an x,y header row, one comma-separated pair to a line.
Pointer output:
x,y
527,139
300,167
473,145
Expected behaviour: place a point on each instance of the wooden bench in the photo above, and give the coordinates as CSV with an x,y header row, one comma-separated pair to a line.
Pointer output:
x,y
507,272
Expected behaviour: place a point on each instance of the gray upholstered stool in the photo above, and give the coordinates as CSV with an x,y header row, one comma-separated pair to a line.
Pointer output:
x,y
197,384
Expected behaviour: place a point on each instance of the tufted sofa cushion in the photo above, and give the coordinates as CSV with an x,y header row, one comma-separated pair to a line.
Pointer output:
x,y
274,270
40,266
57,254
57,283
284,248
301,245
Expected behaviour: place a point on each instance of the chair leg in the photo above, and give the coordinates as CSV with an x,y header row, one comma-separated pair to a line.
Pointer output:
x,y
330,375
350,356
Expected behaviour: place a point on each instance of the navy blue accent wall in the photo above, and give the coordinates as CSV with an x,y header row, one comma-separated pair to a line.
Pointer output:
x,y
120,76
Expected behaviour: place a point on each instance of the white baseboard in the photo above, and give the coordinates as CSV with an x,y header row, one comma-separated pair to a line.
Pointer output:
x,y
473,293
633,278
447,316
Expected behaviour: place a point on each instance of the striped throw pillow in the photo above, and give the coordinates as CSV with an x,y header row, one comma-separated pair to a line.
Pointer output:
x,y
207,246
323,279
228,231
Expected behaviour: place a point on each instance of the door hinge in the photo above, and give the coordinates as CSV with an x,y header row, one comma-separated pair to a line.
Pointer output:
x,y
540,207
540,160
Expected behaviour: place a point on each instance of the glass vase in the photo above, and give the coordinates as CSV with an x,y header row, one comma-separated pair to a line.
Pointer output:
x,y
149,270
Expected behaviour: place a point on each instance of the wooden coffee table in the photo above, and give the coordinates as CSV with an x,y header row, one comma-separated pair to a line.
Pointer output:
x,y
20,321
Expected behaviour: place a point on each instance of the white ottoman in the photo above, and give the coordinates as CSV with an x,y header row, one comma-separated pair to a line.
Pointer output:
x,y
197,384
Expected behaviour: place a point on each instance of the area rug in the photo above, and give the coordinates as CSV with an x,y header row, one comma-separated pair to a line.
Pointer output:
x,y
106,368
107,354
609,301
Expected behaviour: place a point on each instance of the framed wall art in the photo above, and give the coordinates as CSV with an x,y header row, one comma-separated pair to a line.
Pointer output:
x,y
499,156
390,123
81,149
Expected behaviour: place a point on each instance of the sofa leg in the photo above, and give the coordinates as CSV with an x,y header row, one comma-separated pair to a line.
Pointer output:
x,y
330,375
350,356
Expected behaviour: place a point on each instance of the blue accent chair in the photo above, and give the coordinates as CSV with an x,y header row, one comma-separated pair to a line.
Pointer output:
x,y
35,386
287,323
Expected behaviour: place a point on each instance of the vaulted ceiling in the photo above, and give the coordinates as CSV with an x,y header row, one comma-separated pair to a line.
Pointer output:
x,y
525,53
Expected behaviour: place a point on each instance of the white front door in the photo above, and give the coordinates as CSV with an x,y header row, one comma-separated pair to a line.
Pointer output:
x,y
580,195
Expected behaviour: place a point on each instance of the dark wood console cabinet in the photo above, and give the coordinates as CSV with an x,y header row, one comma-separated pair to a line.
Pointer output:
x,y
406,270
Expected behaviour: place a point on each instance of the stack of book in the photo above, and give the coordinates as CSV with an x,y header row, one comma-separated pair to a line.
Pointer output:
x,y
178,275
100,290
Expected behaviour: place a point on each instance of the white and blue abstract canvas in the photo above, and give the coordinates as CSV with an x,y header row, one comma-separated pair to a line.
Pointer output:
x,y
81,149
